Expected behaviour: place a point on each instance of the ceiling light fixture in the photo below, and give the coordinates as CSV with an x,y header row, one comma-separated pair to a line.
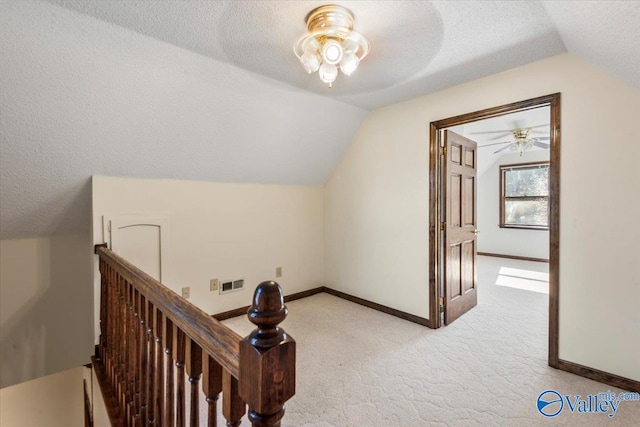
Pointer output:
x,y
331,43
522,141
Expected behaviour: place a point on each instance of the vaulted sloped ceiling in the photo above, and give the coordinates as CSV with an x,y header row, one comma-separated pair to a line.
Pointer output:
x,y
210,90
82,97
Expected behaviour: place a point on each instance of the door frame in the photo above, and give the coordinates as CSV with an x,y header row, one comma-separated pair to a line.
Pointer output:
x,y
552,101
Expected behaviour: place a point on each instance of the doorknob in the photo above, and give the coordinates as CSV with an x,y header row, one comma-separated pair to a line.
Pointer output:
x,y
476,232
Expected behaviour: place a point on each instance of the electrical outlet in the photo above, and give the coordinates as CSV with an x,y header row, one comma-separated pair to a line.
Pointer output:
x,y
278,271
214,284
186,292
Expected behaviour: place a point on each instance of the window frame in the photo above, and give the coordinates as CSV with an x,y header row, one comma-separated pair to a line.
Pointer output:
x,y
503,199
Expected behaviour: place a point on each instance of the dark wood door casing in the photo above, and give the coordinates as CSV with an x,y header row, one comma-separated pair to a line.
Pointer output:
x,y
553,101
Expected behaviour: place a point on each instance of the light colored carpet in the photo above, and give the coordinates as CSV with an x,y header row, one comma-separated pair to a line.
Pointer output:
x,y
360,367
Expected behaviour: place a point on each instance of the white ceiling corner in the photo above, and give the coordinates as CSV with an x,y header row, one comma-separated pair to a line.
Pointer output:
x,y
605,33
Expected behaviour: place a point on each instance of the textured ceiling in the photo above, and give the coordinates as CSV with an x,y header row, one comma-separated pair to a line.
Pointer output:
x,y
211,90
415,44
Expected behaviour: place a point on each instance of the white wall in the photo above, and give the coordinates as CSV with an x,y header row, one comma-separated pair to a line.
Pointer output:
x,y
225,231
376,222
507,241
376,204
45,306
53,401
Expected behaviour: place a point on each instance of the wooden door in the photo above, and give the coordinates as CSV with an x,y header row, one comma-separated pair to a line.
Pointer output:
x,y
140,239
460,233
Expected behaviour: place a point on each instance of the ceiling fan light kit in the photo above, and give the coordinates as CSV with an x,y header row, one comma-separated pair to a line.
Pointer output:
x,y
522,142
331,43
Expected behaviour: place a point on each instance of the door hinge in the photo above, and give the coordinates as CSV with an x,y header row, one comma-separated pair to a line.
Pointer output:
x,y
442,225
443,150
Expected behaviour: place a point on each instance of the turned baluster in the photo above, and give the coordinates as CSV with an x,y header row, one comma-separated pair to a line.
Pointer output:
x,y
113,343
124,346
179,356
151,360
107,356
135,360
104,308
121,346
155,416
267,359
102,268
211,386
131,352
143,354
194,371
113,326
105,341
118,338
233,407
167,412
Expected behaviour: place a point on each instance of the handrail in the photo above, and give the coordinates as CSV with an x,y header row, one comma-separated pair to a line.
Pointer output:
x,y
152,341
216,339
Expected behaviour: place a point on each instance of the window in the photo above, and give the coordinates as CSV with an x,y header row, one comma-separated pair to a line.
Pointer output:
x,y
524,196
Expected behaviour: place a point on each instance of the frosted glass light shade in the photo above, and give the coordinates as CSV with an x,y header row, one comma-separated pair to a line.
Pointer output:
x,y
311,45
331,43
331,52
350,45
349,63
328,72
310,62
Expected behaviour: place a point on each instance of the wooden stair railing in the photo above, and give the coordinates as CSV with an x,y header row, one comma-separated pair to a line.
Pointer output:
x,y
152,341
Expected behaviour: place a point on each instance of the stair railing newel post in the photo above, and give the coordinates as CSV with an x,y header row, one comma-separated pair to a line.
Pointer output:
x,y
267,359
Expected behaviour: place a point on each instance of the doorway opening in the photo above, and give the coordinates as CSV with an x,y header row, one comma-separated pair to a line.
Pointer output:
x,y
453,159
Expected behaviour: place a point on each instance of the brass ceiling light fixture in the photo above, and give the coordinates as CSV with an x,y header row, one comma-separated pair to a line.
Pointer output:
x,y
331,43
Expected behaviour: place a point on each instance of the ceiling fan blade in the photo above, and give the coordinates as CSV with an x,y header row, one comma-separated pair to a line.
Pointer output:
x,y
504,132
541,145
502,149
500,134
495,143
491,131
541,138
541,131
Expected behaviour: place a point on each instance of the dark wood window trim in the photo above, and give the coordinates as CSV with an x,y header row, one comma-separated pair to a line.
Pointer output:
x,y
504,169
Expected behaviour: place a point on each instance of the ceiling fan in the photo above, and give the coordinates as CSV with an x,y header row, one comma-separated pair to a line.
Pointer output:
x,y
522,141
